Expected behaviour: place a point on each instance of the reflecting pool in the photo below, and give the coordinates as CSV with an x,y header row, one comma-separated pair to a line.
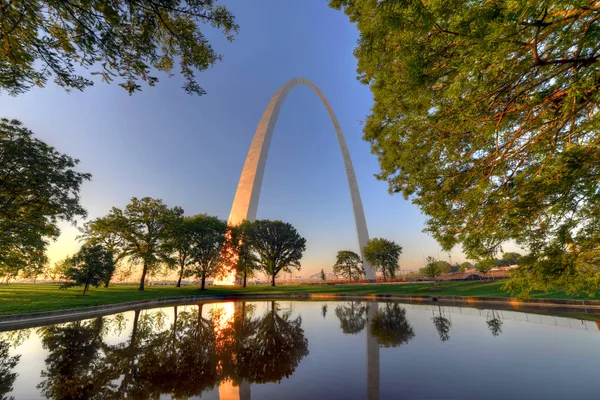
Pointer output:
x,y
304,350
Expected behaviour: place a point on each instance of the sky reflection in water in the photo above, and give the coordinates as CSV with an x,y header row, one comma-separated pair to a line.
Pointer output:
x,y
298,350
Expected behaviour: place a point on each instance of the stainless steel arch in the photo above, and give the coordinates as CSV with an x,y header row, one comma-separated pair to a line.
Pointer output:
x,y
245,203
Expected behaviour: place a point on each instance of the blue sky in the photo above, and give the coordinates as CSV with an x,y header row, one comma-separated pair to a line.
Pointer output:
x,y
189,150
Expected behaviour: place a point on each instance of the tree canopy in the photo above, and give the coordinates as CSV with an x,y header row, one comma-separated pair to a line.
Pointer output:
x,y
39,187
277,245
384,255
92,265
486,115
124,41
208,235
143,228
348,265
246,264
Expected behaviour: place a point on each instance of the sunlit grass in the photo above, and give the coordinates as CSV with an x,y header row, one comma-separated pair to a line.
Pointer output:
x,y
24,298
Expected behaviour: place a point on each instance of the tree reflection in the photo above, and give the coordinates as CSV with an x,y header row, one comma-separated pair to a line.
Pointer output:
x,y
324,310
494,323
75,367
238,344
442,324
390,326
352,316
179,360
277,348
7,377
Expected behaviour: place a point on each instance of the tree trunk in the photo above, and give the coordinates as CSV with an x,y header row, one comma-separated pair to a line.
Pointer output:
x,y
174,326
85,288
245,277
144,271
203,282
180,276
34,279
106,283
199,320
273,280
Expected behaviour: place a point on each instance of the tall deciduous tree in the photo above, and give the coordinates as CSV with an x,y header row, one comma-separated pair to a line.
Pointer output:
x,y
143,228
208,238
179,244
465,266
277,245
101,231
127,41
348,265
240,252
384,255
92,265
39,186
511,258
432,269
486,115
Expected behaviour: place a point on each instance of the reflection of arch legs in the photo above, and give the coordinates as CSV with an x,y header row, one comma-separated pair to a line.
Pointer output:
x,y
372,356
245,203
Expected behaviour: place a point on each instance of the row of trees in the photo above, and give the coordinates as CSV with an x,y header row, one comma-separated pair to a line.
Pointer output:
x,y
150,234
382,254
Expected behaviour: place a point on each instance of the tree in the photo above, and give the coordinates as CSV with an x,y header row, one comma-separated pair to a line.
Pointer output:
x,y
35,268
7,377
143,228
207,237
59,270
125,41
246,262
277,245
485,116
383,254
390,326
348,265
90,266
40,187
323,276
180,242
444,267
511,258
484,266
465,266
432,269
101,231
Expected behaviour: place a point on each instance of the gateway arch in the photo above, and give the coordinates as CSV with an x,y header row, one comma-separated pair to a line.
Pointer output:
x,y
245,203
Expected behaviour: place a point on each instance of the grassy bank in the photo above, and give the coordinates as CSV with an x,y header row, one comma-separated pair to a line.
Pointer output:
x,y
26,298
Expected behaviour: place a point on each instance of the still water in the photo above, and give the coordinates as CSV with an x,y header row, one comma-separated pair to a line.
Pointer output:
x,y
304,350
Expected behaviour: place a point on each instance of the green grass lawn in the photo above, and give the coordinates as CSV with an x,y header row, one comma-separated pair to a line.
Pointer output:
x,y
24,298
